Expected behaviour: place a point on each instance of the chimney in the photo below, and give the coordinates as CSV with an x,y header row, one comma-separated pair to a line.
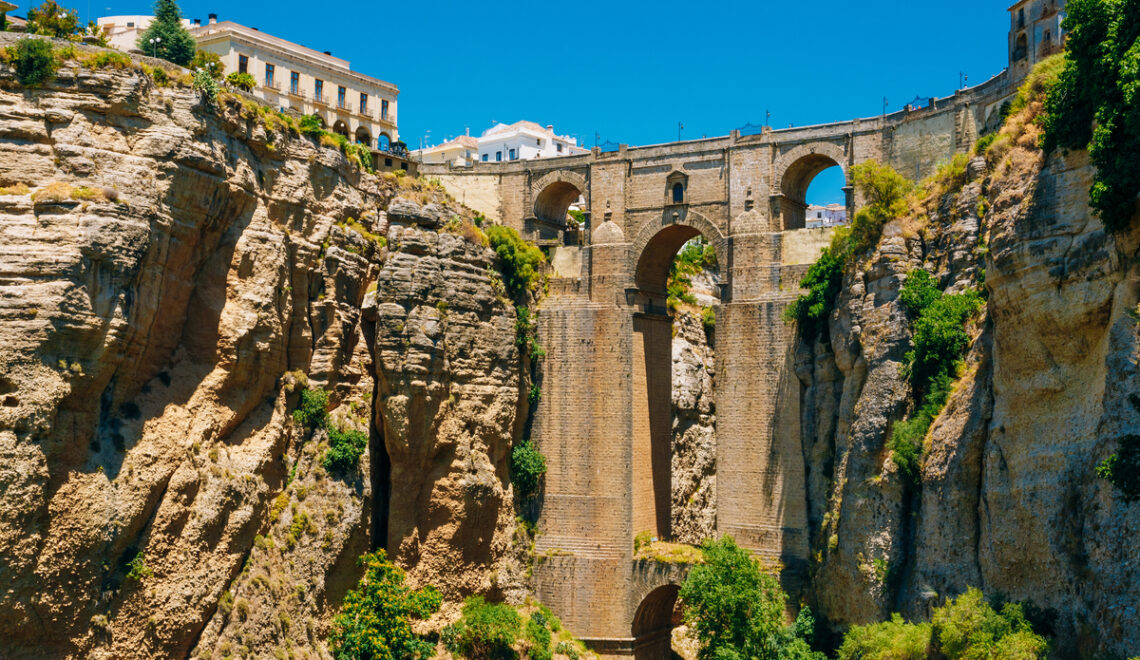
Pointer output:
x,y
329,53
550,128
213,19
197,22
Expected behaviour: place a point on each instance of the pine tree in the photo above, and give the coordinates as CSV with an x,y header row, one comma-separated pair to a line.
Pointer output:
x,y
175,42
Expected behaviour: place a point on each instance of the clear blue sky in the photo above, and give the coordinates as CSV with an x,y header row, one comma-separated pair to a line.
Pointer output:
x,y
631,71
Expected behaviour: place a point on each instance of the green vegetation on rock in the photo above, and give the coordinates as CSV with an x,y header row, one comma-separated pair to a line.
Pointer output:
x,y
51,20
1096,102
34,61
964,628
242,81
527,467
374,623
486,631
519,261
1122,469
736,611
345,449
313,409
694,256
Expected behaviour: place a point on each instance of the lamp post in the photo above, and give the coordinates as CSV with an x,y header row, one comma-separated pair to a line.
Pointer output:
x,y
154,41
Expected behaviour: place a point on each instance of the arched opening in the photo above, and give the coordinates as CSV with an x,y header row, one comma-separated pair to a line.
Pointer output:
x,y
674,430
1021,50
794,187
384,142
653,624
826,199
363,136
552,204
340,128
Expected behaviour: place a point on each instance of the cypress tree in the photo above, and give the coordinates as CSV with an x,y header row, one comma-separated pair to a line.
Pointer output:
x,y
176,45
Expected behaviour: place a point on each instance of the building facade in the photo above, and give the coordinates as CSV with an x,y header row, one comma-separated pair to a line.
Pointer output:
x,y
832,215
290,77
1034,33
460,152
525,140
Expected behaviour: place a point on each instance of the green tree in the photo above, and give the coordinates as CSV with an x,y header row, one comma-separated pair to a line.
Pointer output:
x,y
51,20
737,611
173,42
889,640
374,622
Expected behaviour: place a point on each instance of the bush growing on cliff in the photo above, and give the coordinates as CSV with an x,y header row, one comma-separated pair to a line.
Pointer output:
x,y
1096,102
242,81
964,628
1123,468
737,611
211,63
693,257
486,631
205,85
519,261
374,622
822,280
345,449
34,61
527,467
313,409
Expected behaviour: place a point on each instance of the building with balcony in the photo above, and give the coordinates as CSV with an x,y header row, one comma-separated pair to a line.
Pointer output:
x,y
525,140
290,76
1034,34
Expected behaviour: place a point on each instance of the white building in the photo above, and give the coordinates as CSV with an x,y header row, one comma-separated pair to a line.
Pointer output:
x,y
123,31
461,152
525,140
825,216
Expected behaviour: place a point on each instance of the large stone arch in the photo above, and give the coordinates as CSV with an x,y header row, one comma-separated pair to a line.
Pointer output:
x,y
794,171
653,623
554,192
656,243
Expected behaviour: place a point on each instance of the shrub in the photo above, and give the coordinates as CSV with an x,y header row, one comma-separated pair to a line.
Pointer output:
x,y
485,631
1123,469
345,449
693,257
242,81
737,611
823,281
375,620
311,124
884,192
1100,82
919,290
176,45
206,86
890,640
34,61
708,319
210,62
939,338
160,76
519,261
313,409
537,635
527,467
109,59
138,568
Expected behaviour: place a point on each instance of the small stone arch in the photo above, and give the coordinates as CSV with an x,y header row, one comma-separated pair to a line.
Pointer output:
x,y
384,142
340,128
653,623
554,192
794,172
363,136
656,243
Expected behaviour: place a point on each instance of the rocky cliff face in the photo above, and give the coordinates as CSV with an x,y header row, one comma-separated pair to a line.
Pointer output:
x,y
174,278
1009,500
693,509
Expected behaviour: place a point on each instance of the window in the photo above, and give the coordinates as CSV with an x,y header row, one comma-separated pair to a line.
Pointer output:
x,y
538,142
498,156
512,154
558,147
319,90
363,103
678,193
1021,18
340,97
383,109
243,64
130,24
294,82
485,158
387,162
268,75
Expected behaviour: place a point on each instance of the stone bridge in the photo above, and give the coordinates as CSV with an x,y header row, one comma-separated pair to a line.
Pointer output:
x,y
604,420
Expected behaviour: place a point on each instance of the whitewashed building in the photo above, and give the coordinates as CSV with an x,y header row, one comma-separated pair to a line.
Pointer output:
x,y
461,152
831,215
525,140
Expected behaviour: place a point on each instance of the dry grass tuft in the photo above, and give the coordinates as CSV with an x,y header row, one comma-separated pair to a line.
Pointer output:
x,y
15,189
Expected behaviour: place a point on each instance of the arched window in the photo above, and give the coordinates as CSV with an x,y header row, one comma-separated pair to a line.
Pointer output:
x,y
383,143
678,193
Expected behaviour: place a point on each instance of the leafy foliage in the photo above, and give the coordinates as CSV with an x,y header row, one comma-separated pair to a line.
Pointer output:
x,y
313,409
965,628
242,81
737,611
210,62
52,20
374,622
138,568
694,256
537,635
34,61
527,467
822,280
940,340
1096,102
519,261
1123,468
206,85
345,449
884,192
174,42
486,631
